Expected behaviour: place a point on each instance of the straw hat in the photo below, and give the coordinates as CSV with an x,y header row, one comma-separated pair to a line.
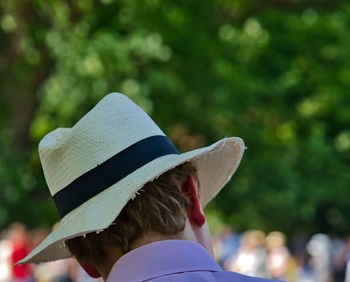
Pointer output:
x,y
94,168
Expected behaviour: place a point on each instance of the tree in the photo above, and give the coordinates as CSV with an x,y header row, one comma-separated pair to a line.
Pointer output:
x,y
274,72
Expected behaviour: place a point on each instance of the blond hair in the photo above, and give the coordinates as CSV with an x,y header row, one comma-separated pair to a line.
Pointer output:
x,y
160,208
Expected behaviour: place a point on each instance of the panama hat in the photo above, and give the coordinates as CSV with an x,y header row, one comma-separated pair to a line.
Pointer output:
x,y
94,168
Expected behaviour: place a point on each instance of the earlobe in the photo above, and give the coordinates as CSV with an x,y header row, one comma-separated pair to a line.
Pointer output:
x,y
91,271
195,212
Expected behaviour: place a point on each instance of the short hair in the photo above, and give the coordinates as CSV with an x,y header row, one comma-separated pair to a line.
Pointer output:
x,y
160,207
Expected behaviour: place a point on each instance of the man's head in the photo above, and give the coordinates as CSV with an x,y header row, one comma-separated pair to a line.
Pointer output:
x,y
96,168
160,211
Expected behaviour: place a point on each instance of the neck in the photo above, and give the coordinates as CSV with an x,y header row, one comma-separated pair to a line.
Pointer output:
x,y
116,253
151,237
191,232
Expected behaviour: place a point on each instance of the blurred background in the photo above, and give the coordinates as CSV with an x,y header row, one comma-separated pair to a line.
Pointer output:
x,y
276,73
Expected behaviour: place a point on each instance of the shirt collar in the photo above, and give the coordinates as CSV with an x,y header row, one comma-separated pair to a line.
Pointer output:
x,y
162,258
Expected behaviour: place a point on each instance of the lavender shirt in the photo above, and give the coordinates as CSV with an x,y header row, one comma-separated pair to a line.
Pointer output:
x,y
173,260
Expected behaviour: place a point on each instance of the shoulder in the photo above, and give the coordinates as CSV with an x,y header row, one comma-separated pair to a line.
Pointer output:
x,y
208,276
233,276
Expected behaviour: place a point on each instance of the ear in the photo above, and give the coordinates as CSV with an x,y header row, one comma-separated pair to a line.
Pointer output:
x,y
91,270
194,212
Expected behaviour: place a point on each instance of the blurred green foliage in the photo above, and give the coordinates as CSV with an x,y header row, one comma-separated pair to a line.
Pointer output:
x,y
276,73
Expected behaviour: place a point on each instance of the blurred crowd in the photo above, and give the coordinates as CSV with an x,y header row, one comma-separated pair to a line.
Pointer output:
x,y
16,242
319,258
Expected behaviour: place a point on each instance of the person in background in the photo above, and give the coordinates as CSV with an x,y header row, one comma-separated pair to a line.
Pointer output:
x,y
251,256
278,255
338,258
19,249
5,253
228,243
319,248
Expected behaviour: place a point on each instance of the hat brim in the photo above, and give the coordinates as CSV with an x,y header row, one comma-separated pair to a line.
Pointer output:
x,y
215,165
